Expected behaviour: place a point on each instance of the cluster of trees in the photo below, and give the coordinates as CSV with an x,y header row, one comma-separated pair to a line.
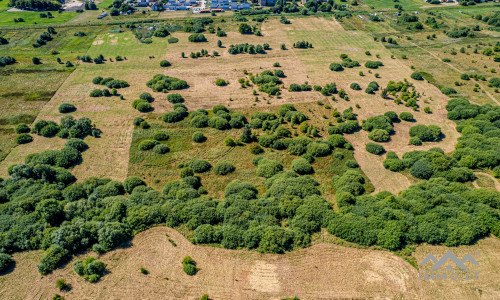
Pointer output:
x,y
458,32
248,48
36,4
268,81
346,63
178,114
45,37
91,269
409,94
300,87
379,128
68,128
110,82
302,45
97,60
370,64
423,133
163,83
222,119
196,25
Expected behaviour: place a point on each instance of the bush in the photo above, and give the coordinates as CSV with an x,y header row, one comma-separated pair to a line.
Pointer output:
x,y
375,148
255,149
54,257
189,266
161,149
301,166
219,123
267,168
392,116
146,96
198,137
23,138
163,83
379,135
406,116
147,144
175,98
229,142
96,93
495,82
91,269
161,136
421,169
351,163
197,38
337,140
355,86
5,262
336,67
319,149
77,144
200,121
199,165
144,107
415,141
137,121
131,183
244,28
448,91
373,64
165,63
429,133
224,168
220,82
21,128
66,108
417,76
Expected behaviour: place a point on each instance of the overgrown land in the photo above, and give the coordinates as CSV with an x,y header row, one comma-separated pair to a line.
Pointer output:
x,y
275,132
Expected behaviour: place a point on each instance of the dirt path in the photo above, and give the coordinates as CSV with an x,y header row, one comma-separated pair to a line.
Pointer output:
x,y
458,70
495,181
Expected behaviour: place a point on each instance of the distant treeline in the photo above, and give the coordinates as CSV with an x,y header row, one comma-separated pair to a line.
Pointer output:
x,y
36,4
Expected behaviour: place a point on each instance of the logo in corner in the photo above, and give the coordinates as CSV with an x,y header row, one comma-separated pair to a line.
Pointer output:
x,y
443,268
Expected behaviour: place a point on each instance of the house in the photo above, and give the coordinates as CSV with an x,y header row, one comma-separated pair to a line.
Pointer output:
x,y
267,2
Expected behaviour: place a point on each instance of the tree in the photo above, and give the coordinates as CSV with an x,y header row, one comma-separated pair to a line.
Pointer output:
x,y
375,148
36,60
244,28
379,135
246,136
66,108
224,168
219,43
421,169
302,166
5,262
165,63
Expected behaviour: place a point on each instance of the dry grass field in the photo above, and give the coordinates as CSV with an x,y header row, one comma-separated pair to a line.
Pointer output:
x,y
108,156
338,272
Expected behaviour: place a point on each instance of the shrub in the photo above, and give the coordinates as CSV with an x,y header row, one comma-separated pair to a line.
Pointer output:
x,y
197,38
415,141
336,67
54,257
163,83
96,93
224,168
198,137
137,121
429,133
268,168
392,116
77,144
61,284
165,63
5,262
199,165
244,28
301,166
379,135
161,136
131,183
189,266
417,76
406,116
318,149
219,123
230,142
161,149
355,86
147,144
337,140
255,149
91,269
421,169
220,82
375,148
464,77
351,163
23,138
373,64
66,108
144,107
200,121
448,91
175,98
21,128
146,96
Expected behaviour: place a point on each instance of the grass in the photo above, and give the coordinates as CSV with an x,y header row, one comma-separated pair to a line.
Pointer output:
x,y
31,17
389,4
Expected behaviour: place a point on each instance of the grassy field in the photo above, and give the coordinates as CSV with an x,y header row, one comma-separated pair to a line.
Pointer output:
x,y
7,17
389,4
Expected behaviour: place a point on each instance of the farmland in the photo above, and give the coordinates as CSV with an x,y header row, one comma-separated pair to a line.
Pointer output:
x,y
327,144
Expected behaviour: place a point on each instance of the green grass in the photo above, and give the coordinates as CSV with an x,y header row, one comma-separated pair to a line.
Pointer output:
x,y
7,18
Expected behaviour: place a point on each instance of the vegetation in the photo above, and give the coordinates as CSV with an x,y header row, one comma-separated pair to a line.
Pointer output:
x,y
91,269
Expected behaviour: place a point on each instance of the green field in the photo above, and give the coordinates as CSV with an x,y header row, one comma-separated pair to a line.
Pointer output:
x,y
31,18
